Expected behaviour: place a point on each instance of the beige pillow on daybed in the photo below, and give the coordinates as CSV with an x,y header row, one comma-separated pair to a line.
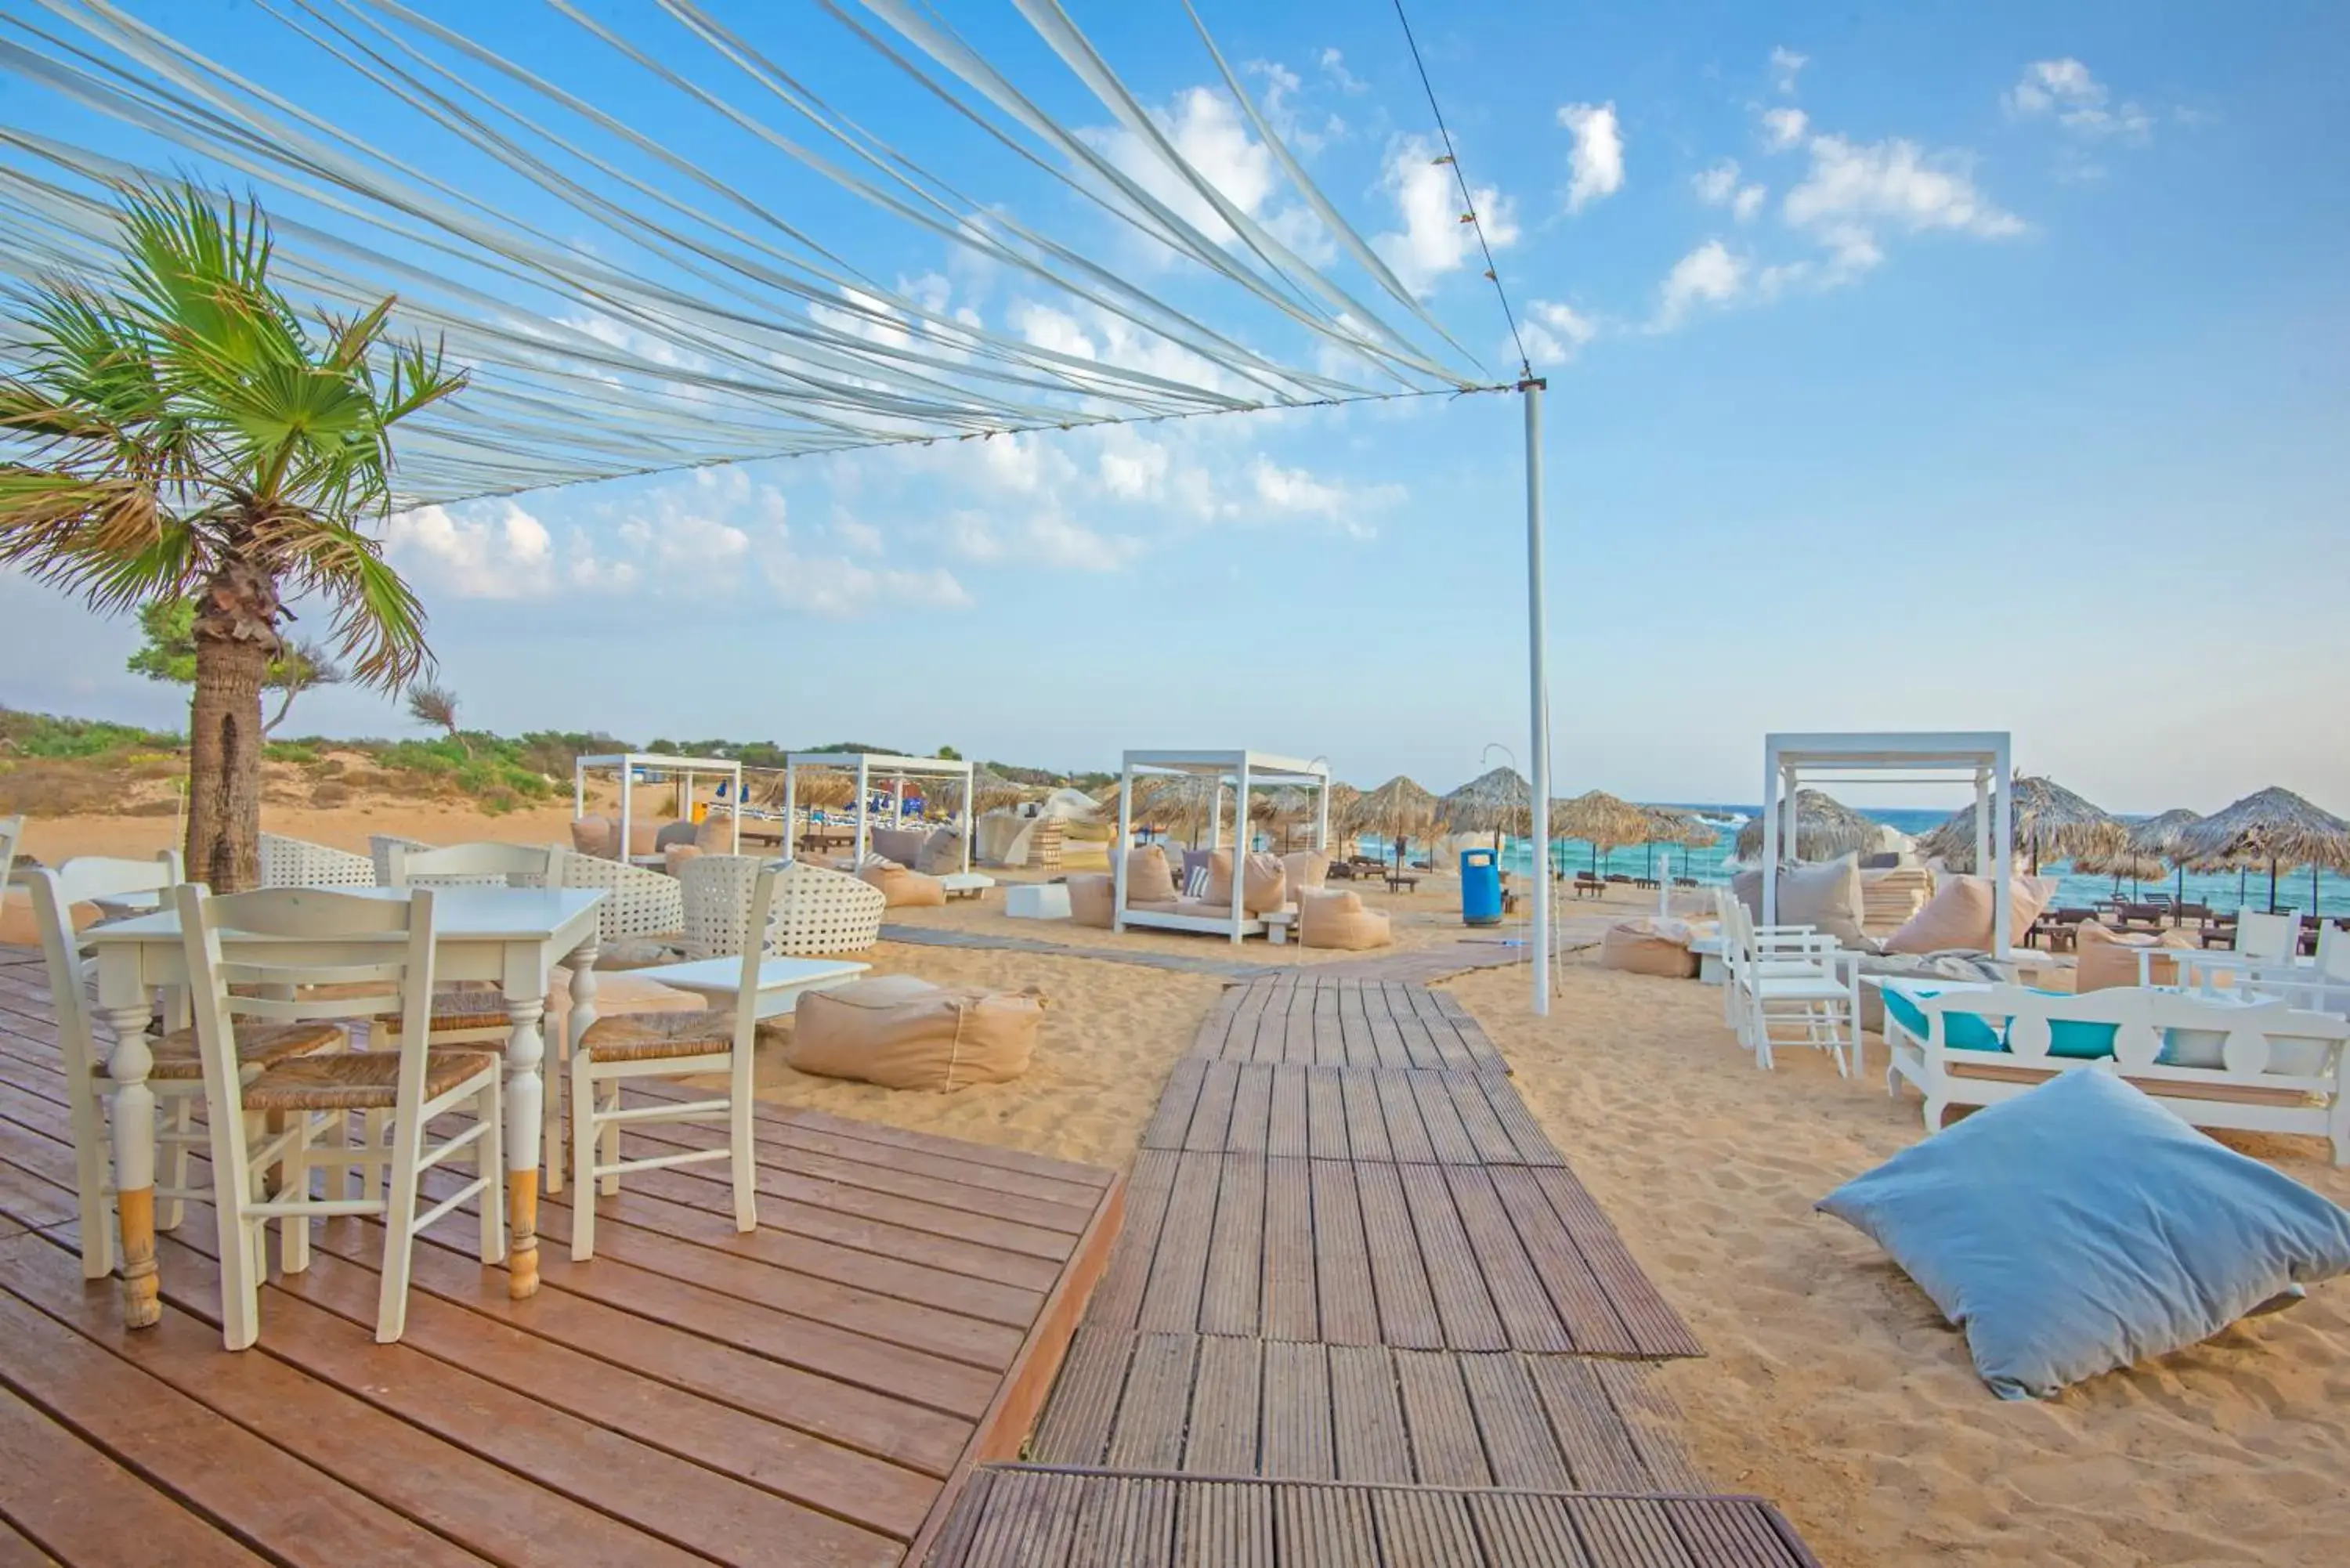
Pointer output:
x,y
1264,883
1960,916
1148,878
905,1034
942,853
1826,897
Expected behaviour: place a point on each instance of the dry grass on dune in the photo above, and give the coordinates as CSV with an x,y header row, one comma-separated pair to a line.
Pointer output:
x,y
1831,1386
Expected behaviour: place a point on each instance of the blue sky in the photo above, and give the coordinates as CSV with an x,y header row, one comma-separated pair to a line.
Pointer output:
x,y
1932,367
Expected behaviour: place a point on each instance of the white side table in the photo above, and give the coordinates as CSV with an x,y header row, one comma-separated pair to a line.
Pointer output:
x,y
967,884
1037,901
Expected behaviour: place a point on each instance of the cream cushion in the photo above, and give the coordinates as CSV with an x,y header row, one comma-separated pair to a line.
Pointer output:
x,y
906,1034
940,854
596,836
1091,899
1828,896
1307,870
644,837
1148,878
904,889
1637,947
1264,884
902,844
1338,920
2110,958
1960,916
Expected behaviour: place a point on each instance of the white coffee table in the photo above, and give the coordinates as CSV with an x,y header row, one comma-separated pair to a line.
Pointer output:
x,y
1037,901
967,884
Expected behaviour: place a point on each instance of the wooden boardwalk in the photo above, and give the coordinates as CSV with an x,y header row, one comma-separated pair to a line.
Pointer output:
x,y
816,1392
1361,1313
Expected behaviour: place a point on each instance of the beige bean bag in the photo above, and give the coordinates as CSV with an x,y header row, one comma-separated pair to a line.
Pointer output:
x,y
1338,920
1639,947
1149,878
1307,871
1959,915
1091,897
904,889
1264,883
596,836
942,853
2110,958
906,1034
675,857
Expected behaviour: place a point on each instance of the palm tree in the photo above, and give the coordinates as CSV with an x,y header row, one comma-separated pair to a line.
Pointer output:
x,y
189,436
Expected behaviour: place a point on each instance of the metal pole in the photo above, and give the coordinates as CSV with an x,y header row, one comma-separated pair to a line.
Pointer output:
x,y
1538,692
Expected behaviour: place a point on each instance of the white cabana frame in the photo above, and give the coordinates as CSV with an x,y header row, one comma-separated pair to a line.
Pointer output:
x,y
1959,757
685,769
1244,770
868,766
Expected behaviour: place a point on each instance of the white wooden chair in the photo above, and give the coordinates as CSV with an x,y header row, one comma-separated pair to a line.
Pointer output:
x,y
330,955
718,1041
12,831
2255,1063
407,864
1783,978
297,863
2273,938
177,1076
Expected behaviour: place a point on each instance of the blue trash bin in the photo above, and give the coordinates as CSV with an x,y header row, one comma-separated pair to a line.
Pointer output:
x,y
1481,887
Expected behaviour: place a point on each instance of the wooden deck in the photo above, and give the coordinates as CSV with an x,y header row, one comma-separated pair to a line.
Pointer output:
x,y
1309,1019
816,1391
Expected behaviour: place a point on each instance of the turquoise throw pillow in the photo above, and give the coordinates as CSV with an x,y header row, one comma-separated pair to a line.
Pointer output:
x,y
2077,1039
1960,1031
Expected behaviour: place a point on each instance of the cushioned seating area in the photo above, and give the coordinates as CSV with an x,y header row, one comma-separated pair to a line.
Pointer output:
x,y
1639,947
1149,880
257,1045
2110,959
942,853
905,1034
1338,920
902,844
1960,915
902,888
356,1080
661,1036
1264,882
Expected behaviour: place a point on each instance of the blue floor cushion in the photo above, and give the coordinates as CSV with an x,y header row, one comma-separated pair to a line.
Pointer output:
x,y
2081,1227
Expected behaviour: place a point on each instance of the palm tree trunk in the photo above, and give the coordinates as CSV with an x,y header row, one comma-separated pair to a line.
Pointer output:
x,y
236,638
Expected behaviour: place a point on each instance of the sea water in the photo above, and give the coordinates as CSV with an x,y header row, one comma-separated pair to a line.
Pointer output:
x,y
2221,890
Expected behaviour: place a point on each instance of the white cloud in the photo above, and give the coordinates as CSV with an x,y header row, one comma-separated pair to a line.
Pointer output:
x,y
1334,66
1784,127
862,538
838,588
1296,493
2065,90
1852,188
493,550
1433,240
1045,537
1207,132
1785,66
1555,333
1596,163
1718,187
1133,467
1708,275
1046,327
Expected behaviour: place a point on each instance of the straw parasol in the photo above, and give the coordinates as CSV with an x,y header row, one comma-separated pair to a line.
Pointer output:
x,y
1396,811
1169,801
2051,822
2275,826
1601,820
1824,828
2157,838
1669,824
1497,803
989,788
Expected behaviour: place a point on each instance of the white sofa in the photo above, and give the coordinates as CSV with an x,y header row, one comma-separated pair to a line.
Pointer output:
x,y
2217,1061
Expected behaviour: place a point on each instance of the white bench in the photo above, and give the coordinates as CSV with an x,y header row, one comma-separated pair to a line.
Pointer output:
x,y
2258,1064
966,884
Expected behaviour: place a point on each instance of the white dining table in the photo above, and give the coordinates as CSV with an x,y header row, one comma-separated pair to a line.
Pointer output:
x,y
513,937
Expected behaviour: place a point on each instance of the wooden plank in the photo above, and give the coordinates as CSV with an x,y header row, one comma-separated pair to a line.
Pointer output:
x,y
1148,1434
1223,1524
1593,1437
1519,1444
1216,1027
1520,1301
1654,1422
1171,1122
1326,1112
1407,1139
74,1502
1076,1426
1527,1530
1344,1297
1455,1282
1171,1298
1446,1449
1298,1407
1354,1048
15,1549
1287,1304
1297,1022
1323,1527
1616,1531
1212,1118
1288,1127
1419,1045
1366,1409
1388,1048
1653,1325
1233,1287
1239,1041
1225,1398
1367,1120
1407,1309
1117,1300
1272,1020
1329,1038
1448,1136
1253,1109
1591,1326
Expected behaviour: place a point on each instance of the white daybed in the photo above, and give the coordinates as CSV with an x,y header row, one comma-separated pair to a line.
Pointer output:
x,y
631,764
2255,1063
1244,771
868,766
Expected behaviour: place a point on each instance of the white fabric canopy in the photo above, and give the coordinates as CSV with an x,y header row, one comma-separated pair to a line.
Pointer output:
x,y
625,306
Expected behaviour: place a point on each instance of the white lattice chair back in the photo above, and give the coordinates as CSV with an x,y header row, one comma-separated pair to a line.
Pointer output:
x,y
637,902
380,848
717,896
819,911
298,863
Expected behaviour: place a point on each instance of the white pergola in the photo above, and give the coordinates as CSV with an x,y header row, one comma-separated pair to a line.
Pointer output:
x,y
1959,757
868,766
1244,770
631,763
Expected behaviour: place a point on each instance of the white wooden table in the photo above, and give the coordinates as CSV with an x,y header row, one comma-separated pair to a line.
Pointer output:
x,y
781,980
513,936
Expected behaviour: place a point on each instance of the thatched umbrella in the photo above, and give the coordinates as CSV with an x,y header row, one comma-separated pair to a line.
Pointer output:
x,y
1600,820
2157,838
2275,826
1394,811
1497,803
1669,824
1824,828
991,789
2051,822
1166,801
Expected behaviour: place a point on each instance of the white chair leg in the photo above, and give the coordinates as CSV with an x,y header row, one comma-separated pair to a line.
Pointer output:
x,y
609,1154
95,1209
398,1235
745,1163
553,1144
294,1230
240,1252
490,1160
181,1118
583,1155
